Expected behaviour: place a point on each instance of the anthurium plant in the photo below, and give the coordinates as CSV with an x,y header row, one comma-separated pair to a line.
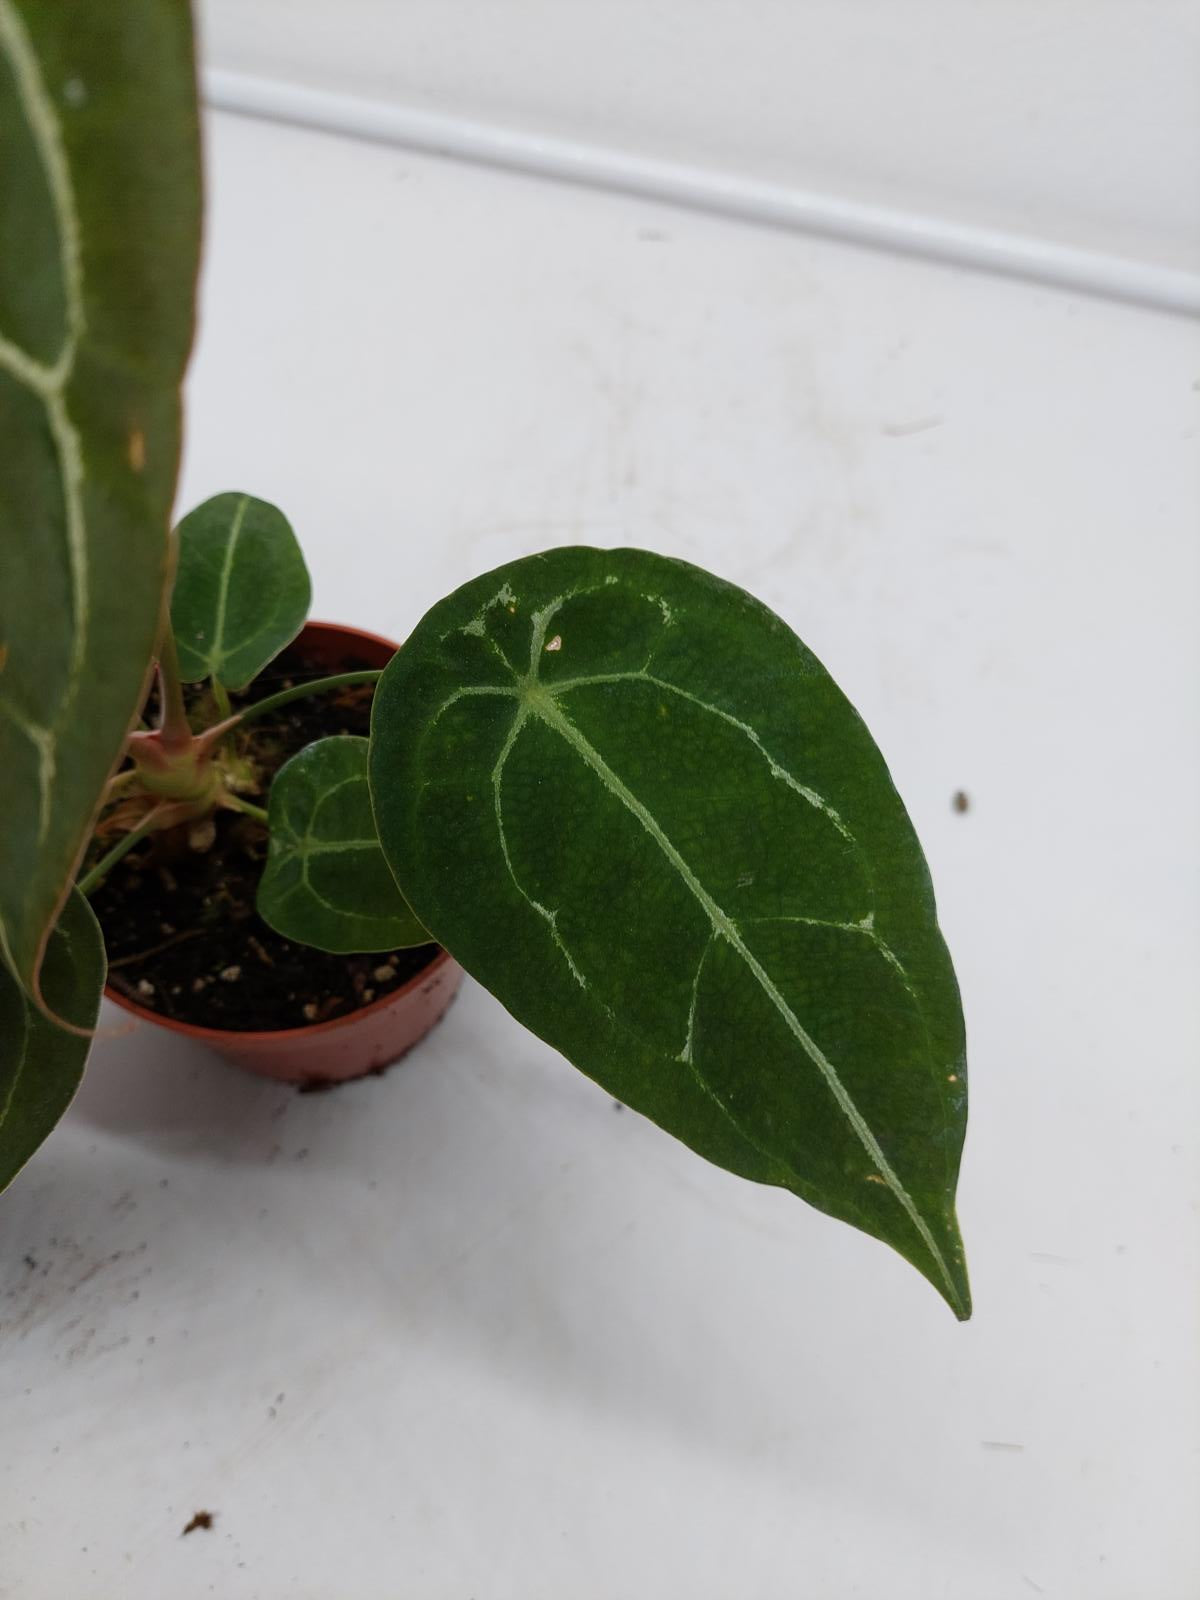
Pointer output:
x,y
619,790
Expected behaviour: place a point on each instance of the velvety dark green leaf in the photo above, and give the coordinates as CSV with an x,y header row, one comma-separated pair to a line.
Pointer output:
x,y
326,881
241,589
635,806
40,1063
99,236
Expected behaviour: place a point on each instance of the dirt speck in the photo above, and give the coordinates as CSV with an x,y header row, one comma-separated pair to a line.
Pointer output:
x,y
200,1519
961,801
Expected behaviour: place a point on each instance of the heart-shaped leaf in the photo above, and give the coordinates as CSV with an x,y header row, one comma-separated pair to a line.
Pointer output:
x,y
41,1064
242,590
99,218
634,806
326,882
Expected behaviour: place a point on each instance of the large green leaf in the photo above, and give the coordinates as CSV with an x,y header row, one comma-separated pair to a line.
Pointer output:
x,y
241,589
326,882
99,236
633,804
40,1063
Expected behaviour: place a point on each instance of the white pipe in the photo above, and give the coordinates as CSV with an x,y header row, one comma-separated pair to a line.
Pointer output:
x,y
700,189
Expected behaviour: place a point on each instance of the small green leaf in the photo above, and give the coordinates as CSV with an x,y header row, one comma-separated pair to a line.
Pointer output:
x,y
99,238
326,882
628,799
241,589
41,1064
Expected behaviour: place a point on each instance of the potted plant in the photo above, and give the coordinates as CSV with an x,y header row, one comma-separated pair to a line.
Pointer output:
x,y
619,791
219,922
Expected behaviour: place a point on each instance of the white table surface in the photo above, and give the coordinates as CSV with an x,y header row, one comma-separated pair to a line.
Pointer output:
x,y
468,1332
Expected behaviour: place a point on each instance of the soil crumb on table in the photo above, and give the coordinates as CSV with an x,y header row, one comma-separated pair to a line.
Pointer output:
x,y
200,1519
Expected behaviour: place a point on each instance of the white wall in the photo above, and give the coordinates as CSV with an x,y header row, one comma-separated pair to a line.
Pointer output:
x,y
1072,120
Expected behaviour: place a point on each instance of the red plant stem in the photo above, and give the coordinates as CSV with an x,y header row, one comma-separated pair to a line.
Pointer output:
x,y
173,725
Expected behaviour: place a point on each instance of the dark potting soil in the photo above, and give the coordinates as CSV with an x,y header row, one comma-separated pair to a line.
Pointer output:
x,y
182,933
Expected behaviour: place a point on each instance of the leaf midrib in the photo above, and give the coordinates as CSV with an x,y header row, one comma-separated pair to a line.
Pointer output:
x,y
538,700
295,846
724,927
216,655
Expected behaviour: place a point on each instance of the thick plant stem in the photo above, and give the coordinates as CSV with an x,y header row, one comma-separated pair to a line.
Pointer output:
x,y
173,724
262,708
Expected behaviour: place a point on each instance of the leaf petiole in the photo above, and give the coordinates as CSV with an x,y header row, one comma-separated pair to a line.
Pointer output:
x,y
234,802
158,818
299,690
262,708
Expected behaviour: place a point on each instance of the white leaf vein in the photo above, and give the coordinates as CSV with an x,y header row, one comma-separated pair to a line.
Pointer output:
x,y
724,927
216,651
49,382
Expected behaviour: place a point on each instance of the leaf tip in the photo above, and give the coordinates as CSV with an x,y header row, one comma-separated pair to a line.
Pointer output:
x,y
951,1279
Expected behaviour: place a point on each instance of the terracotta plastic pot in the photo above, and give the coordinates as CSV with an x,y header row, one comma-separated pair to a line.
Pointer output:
x,y
365,1040
331,1052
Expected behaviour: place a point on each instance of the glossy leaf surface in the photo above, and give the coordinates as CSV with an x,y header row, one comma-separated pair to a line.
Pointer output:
x,y
326,882
630,801
99,237
241,592
41,1064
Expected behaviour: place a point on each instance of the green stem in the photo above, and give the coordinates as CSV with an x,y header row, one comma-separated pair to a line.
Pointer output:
x,y
298,690
221,698
93,879
236,803
207,741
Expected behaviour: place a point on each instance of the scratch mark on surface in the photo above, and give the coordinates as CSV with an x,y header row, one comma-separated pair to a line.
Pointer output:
x,y
905,430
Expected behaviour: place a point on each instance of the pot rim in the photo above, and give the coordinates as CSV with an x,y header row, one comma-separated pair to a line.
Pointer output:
x,y
237,1036
348,631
